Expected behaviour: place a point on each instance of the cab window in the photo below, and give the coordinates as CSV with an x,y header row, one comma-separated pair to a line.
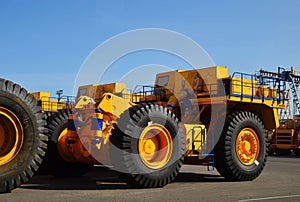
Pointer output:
x,y
82,92
162,81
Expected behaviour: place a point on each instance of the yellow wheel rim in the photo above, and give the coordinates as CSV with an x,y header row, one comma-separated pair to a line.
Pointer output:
x,y
11,136
62,134
247,146
155,146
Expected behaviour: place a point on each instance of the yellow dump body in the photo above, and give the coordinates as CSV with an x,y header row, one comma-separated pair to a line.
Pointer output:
x,y
213,86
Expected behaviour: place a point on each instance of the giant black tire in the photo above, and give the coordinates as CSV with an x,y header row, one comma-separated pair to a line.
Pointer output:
x,y
23,136
54,164
125,150
231,164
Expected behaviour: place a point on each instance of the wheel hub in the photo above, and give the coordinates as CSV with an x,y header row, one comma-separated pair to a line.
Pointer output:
x,y
247,146
155,146
149,146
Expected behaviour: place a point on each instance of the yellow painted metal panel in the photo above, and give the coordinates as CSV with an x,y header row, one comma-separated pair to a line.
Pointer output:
x,y
245,86
41,95
198,137
113,104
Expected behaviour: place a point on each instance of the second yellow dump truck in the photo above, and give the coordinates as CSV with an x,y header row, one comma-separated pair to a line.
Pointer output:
x,y
202,116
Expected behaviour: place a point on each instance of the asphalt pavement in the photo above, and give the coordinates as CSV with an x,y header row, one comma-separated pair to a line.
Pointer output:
x,y
280,181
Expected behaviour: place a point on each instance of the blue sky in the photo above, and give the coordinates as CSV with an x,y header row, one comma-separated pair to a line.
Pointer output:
x,y
44,43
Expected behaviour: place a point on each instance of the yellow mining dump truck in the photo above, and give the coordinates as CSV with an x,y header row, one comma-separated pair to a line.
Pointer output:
x,y
202,116
286,139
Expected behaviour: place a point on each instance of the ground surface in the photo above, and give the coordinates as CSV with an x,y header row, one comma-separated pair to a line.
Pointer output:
x,y
280,181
